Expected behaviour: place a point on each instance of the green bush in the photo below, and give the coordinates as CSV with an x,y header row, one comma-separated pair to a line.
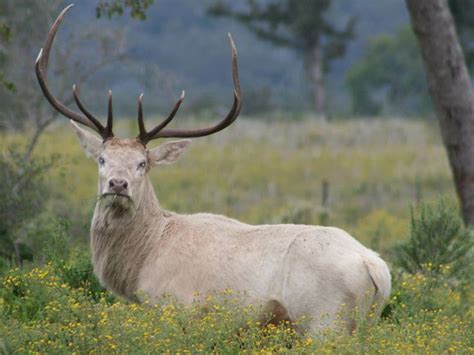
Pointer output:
x,y
71,264
24,195
438,242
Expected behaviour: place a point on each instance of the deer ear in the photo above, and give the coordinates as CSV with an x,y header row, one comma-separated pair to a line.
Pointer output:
x,y
167,153
89,142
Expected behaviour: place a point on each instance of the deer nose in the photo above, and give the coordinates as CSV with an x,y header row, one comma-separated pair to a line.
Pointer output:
x,y
118,185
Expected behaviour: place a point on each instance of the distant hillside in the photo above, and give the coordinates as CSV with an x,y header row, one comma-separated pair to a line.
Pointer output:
x,y
180,47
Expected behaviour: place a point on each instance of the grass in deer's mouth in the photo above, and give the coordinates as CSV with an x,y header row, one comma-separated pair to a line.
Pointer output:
x,y
119,202
114,195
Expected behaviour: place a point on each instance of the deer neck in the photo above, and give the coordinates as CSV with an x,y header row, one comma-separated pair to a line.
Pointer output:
x,y
121,238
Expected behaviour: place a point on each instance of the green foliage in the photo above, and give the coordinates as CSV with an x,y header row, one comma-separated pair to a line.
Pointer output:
x,y
438,240
5,34
41,313
24,194
112,8
463,14
71,264
298,24
390,73
57,247
67,268
8,85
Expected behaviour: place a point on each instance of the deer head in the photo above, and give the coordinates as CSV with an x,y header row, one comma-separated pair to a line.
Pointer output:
x,y
124,163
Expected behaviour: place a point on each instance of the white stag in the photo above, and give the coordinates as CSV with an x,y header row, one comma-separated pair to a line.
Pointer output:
x,y
140,248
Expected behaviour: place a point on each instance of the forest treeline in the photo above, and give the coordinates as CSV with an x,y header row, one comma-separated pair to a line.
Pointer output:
x,y
369,60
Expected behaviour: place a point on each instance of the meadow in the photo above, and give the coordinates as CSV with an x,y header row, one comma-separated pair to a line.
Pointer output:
x,y
269,172
259,172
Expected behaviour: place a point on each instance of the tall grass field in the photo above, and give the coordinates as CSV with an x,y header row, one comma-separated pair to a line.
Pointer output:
x,y
387,182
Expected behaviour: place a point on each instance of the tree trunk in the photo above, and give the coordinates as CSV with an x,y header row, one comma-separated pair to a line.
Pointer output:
x,y
314,66
451,91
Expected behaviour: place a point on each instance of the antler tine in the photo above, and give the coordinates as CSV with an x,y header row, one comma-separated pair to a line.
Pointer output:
x,y
110,118
41,68
141,125
144,137
159,132
235,71
91,117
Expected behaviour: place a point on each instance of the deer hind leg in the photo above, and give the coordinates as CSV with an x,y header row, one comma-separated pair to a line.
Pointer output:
x,y
360,309
275,313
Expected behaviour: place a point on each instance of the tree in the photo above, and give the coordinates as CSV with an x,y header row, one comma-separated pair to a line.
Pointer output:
x,y
374,88
402,87
451,91
117,7
437,240
297,24
27,35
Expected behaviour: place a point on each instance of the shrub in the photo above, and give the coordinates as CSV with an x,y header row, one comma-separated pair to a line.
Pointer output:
x,y
438,239
71,264
24,193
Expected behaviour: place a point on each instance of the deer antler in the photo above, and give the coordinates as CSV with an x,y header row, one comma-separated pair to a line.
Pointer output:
x,y
144,137
159,132
89,120
41,68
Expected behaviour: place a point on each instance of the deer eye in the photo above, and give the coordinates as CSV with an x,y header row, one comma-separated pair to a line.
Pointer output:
x,y
142,165
101,161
